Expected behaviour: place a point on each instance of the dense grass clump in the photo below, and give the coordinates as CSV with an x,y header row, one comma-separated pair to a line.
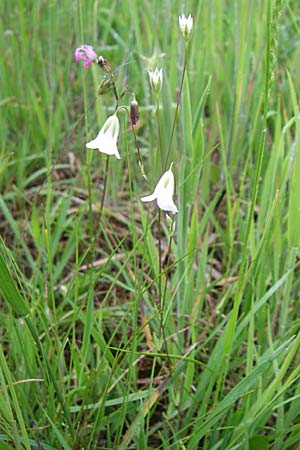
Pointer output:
x,y
123,327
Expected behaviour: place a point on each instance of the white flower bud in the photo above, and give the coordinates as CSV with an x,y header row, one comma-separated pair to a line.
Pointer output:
x,y
156,79
186,26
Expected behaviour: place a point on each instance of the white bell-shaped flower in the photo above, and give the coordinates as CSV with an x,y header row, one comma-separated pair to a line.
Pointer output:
x,y
106,140
163,193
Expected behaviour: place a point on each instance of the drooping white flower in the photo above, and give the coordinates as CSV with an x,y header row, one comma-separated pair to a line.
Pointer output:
x,y
156,79
163,192
186,26
106,140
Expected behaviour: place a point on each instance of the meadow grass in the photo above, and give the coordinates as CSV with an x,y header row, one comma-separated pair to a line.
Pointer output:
x,y
118,332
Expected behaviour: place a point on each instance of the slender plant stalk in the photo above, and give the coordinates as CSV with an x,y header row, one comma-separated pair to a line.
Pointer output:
x,y
105,184
159,133
167,263
162,298
117,98
177,105
50,271
141,165
159,259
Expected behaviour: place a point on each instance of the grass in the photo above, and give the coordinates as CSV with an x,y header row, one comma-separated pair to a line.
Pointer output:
x,y
117,332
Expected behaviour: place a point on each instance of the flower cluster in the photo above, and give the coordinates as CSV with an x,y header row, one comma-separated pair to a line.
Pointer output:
x,y
106,140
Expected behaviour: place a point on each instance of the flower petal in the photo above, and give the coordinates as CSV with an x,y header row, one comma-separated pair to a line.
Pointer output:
x,y
93,144
167,204
116,153
149,198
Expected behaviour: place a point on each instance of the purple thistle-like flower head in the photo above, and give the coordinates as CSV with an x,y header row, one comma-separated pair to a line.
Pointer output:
x,y
86,54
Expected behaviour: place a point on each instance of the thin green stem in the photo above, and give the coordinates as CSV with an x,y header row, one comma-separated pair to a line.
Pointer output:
x,y
139,153
177,105
167,263
105,184
159,258
51,296
165,291
117,98
162,298
159,133
89,186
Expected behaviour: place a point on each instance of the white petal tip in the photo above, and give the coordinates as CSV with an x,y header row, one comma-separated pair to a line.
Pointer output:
x,y
91,146
167,205
149,198
173,209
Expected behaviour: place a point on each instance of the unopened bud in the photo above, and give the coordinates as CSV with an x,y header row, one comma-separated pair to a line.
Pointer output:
x,y
186,26
104,64
156,79
134,112
106,86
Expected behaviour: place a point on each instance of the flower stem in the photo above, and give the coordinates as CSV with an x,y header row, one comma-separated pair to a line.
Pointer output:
x,y
162,299
167,263
159,257
139,153
159,133
105,185
177,105
115,94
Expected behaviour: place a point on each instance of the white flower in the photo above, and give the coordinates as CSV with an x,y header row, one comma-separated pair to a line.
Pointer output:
x,y
186,26
106,140
163,192
156,79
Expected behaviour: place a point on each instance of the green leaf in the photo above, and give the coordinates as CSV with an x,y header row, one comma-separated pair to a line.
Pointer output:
x,y
258,443
8,289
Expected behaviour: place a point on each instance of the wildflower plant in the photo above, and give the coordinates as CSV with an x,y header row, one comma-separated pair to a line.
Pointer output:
x,y
107,138
106,142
